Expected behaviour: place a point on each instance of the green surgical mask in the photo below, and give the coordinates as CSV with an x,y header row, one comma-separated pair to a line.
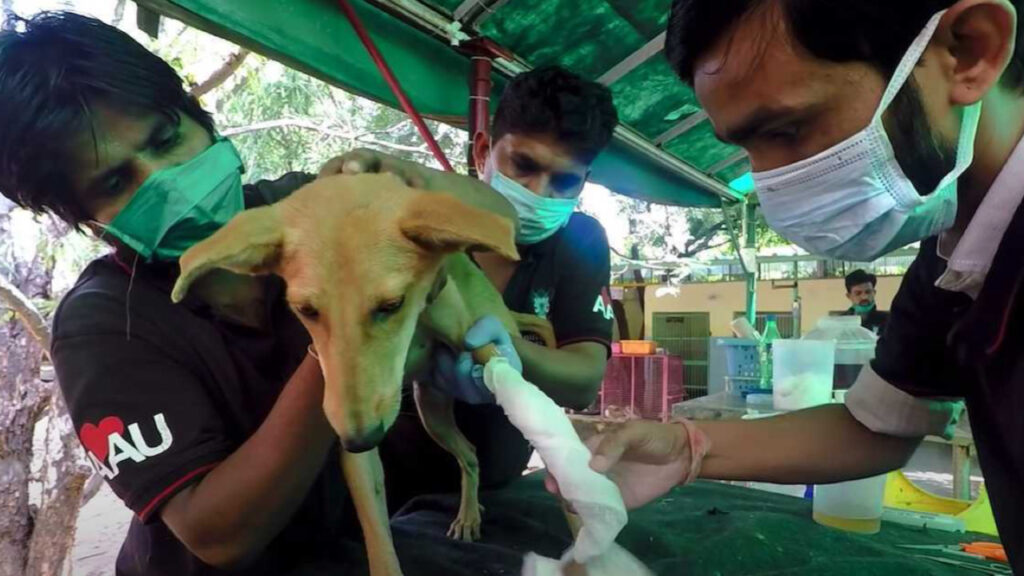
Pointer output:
x,y
177,207
862,309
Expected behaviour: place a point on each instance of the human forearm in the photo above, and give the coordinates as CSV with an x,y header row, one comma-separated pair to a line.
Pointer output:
x,y
819,445
243,503
571,375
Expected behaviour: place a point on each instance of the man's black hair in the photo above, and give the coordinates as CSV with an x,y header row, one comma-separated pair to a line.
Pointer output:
x,y
579,113
877,32
858,277
54,68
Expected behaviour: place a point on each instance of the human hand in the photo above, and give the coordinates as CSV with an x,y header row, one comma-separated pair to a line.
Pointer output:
x,y
646,459
460,375
459,186
366,161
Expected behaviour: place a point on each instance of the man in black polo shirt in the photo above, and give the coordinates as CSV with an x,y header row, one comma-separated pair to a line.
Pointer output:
x,y
549,126
860,290
870,125
205,418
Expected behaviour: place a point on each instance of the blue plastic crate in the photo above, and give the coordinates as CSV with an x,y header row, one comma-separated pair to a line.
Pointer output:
x,y
743,366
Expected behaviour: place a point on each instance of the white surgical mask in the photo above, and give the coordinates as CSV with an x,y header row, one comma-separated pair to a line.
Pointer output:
x,y
853,201
539,217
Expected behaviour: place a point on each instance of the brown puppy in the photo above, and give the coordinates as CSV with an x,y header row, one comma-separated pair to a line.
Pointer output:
x,y
377,273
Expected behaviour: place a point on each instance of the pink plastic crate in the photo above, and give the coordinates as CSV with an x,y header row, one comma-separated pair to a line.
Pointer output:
x,y
642,386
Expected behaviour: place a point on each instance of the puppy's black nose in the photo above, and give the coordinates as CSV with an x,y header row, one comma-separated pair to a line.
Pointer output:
x,y
368,441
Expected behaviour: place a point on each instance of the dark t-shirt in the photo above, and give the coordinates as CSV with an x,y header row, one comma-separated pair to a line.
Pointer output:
x,y
161,393
875,320
565,279
942,344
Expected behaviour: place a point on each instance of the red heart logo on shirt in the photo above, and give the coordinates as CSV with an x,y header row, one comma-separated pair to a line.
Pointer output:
x,y
94,437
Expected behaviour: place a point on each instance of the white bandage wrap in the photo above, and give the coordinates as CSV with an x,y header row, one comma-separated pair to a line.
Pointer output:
x,y
594,497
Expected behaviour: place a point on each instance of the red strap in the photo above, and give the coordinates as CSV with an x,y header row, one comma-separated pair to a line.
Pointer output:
x,y
396,88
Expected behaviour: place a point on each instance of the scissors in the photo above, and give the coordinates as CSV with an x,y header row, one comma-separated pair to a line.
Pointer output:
x,y
990,569
982,550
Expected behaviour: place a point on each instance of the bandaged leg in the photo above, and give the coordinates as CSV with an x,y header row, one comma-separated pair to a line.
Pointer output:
x,y
594,497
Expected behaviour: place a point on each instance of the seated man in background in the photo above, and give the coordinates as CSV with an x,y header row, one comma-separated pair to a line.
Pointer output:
x,y
860,289
549,127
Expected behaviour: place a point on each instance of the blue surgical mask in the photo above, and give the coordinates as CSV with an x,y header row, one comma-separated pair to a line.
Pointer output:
x,y
853,201
539,217
177,207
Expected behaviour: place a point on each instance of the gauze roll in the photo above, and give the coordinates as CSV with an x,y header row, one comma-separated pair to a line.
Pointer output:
x,y
594,497
616,561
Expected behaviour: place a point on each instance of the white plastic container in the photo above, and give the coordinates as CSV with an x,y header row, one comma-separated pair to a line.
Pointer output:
x,y
855,346
794,490
802,373
760,404
854,506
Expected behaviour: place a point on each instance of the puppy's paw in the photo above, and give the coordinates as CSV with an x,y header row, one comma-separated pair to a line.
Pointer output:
x,y
466,526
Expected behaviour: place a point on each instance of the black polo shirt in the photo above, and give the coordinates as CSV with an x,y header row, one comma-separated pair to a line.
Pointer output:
x,y
875,320
161,393
940,346
565,279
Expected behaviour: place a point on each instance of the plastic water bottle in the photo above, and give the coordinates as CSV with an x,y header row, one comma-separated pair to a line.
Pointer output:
x,y
771,334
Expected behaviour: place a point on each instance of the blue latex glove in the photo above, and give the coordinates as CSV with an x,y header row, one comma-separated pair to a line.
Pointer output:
x,y
459,376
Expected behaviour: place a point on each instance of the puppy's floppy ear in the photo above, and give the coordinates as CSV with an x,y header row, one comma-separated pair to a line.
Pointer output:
x,y
440,223
248,244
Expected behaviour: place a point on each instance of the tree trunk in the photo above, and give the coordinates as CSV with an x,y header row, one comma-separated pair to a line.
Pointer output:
x,y
54,531
14,299
31,542
639,279
20,406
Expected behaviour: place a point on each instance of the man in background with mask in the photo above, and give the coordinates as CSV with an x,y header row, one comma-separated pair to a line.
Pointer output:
x,y
860,290
206,417
549,127
870,125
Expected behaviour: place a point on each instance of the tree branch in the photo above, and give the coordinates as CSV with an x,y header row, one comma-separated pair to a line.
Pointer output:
x,y
690,253
283,123
14,299
363,137
705,241
220,75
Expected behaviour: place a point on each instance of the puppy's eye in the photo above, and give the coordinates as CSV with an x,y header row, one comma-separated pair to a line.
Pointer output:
x,y
307,311
389,307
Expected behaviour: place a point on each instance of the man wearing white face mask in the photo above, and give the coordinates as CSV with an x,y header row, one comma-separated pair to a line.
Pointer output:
x,y
549,126
871,125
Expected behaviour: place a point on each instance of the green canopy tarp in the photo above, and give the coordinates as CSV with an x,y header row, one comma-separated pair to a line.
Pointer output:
x,y
666,151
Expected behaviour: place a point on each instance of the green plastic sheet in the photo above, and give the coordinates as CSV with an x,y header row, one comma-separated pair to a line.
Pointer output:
x,y
587,36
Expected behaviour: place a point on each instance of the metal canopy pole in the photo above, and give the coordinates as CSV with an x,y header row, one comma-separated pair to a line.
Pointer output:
x,y
732,159
474,12
479,105
687,124
635,59
750,231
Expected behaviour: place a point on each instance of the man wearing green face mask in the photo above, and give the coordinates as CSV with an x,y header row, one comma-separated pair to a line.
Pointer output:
x,y
205,417
860,289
